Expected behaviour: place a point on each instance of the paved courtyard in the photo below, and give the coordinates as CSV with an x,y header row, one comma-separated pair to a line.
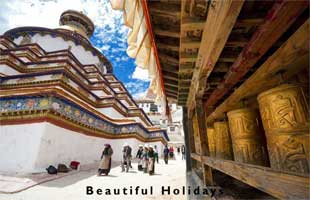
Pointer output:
x,y
73,187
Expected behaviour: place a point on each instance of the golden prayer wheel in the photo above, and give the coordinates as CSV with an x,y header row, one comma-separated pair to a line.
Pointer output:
x,y
211,141
247,139
222,141
285,117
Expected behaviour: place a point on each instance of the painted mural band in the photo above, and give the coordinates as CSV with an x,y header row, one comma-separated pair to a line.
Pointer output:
x,y
74,113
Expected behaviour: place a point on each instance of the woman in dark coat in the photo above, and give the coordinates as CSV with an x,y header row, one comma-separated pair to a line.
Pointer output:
x,y
151,160
105,163
139,156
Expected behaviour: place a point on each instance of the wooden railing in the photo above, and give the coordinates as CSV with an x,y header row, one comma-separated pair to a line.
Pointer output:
x,y
276,183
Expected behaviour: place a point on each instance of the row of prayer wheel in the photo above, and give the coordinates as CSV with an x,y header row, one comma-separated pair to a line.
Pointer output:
x,y
285,116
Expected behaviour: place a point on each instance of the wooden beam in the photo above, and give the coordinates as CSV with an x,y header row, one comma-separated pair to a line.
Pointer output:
x,y
167,33
183,84
169,67
221,67
292,56
171,81
189,66
192,24
172,92
280,18
171,96
165,12
278,184
236,41
168,59
190,44
172,88
191,7
249,22
170,75
168,47
227,59
187,58
220,21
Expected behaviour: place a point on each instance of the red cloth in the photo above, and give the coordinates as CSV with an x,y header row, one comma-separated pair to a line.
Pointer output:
x,y
74,164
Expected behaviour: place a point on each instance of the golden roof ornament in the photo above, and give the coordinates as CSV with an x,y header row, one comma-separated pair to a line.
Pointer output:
x,y
76,22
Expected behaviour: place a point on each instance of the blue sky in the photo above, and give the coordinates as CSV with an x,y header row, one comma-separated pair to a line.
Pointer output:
x,y
110,34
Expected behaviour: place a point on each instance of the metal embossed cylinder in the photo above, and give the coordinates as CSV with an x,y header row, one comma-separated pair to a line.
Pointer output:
x,y
211,141
285,117
222,141
247,139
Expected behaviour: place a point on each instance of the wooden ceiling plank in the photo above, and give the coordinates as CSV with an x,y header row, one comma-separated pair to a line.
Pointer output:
x,y
192,24
167,33
249,22
282,15
221,18
168,47
168,59
290,58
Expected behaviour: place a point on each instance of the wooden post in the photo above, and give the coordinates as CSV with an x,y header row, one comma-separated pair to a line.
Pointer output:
x,y
203,141
191,137
187,133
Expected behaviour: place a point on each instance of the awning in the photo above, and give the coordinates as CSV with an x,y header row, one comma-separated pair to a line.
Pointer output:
x,y
141,45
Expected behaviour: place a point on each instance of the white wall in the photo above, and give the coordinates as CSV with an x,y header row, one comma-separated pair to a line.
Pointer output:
x,y
4,69
33,147
19,146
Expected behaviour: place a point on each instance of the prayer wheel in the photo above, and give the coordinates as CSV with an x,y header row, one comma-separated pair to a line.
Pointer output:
x,y
247,139
211,141
222,141
285,117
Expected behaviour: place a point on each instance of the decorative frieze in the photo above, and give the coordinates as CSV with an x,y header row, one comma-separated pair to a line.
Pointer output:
x,y
247,138
285,116
75,114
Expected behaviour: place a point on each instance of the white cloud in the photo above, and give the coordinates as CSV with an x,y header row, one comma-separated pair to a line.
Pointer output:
x,y
140,95
140,74
137,88
45,13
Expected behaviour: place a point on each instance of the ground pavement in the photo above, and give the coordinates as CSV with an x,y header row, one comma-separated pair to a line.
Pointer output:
x,y
73,187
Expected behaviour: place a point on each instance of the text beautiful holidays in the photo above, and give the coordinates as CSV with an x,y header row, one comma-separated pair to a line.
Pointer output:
x,y
163,190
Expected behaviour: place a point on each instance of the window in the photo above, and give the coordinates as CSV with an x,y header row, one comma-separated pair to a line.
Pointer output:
x,y
172,129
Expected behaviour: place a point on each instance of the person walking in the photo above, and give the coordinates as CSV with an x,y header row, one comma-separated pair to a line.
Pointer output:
x,y
166,153
106,160
183,151
151,165
139,156
126,159
156,153
145,158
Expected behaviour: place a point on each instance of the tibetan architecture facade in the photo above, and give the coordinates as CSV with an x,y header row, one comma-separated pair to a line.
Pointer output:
x,y
240,69
173,126
60,100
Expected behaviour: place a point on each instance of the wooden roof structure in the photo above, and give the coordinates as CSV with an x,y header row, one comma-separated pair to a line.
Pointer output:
x,y
207,48
217,56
